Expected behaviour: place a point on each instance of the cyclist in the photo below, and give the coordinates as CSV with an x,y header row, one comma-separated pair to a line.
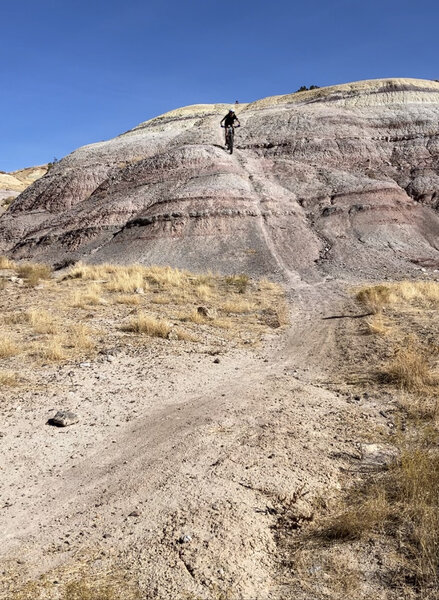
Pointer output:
x,y
229,121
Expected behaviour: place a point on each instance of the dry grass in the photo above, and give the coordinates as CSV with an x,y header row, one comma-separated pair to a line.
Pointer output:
x,y
238,282
61,308
360,513
5,263
8,378
81,590
328,573
33,273
419,293
87,588
41,321
403,503
203,292
148,324
126,281
90,296
411,309
130,299
239,306
400,505
378,325
79,337
410,368
8,347
194,317
52,350
159,299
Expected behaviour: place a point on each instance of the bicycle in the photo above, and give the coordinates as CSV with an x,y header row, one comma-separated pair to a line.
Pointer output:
x,y
230,136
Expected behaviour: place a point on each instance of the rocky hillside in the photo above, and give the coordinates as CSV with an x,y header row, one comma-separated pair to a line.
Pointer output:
x,y
343,178
12,184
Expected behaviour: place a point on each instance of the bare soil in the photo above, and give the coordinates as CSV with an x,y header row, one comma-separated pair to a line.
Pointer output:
x,y
171,443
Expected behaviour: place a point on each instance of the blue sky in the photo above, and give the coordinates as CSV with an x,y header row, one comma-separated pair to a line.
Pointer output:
x,y
76,72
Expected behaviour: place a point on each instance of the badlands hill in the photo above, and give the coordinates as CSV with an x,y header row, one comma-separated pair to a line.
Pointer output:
x,y
343,178
12,184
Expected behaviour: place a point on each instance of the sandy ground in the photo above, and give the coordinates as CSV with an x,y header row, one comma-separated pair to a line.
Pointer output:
x,y
170,444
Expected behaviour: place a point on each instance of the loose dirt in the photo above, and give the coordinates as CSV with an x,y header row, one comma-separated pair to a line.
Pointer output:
x,y
231,454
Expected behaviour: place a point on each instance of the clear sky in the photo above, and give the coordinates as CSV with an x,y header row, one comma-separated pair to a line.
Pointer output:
x,y
76,72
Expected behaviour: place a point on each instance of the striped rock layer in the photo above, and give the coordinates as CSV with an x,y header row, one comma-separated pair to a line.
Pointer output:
x,y
338,179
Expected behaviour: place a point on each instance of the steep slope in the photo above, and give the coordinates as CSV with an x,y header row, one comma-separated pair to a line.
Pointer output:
x,y
339,178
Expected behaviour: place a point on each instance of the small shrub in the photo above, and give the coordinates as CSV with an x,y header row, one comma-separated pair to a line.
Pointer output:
x,y
150,325
128,299
7,347
8,378
203,291
52,350
91,296
410,366
239,282
79,337
238,306
41,321
33,273
377,325
5,263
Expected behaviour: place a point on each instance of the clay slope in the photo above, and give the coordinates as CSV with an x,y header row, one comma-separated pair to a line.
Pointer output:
x,y
338,178
12,184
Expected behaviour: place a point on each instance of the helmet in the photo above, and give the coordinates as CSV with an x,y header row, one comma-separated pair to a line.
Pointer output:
x,y
231,112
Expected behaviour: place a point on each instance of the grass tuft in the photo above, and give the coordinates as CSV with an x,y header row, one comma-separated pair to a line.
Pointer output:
x,y
5,263
8,378
90,296
130,299
52,350
153,327
238,282
33,273
41,321
7,347
410,366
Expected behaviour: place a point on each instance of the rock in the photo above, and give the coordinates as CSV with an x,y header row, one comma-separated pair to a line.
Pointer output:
x,y
110,358
134,513
270,318
375,457
185,539
217,361
172,335
85,365
209,313
63,418
139,290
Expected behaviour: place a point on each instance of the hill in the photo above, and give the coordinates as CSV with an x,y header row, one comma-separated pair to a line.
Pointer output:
x,y
343,178
12,184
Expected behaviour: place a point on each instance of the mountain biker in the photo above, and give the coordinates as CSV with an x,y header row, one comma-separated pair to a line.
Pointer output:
x,y
229,121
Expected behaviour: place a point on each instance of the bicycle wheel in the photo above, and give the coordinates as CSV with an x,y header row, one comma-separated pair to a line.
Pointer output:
x,y
231,136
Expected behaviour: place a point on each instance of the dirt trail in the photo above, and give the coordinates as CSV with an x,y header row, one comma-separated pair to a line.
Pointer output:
x,y
185,446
